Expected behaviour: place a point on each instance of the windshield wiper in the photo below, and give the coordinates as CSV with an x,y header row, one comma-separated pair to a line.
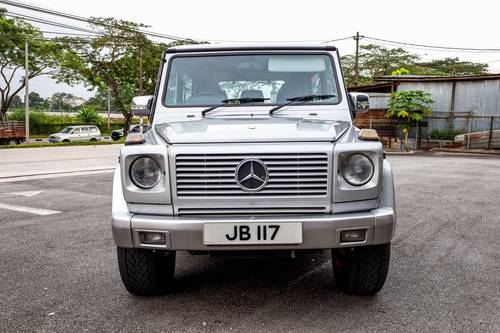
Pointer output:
x,y
301,99
234,101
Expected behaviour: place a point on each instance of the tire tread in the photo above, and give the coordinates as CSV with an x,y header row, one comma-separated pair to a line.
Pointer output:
x,y
361,270
145,272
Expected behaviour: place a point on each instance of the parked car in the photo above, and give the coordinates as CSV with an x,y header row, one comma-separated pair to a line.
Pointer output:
x,y
117,134
77,133
254,152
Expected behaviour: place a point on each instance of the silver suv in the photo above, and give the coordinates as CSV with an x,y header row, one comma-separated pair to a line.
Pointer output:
x,y
77,133
252,150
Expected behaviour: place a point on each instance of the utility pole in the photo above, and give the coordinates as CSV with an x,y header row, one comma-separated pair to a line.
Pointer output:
x,y
109,110
26,92
141,119
356,60
140,70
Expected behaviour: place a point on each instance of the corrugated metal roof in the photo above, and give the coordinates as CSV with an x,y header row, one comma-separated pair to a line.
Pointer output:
x,y
427,78
380,87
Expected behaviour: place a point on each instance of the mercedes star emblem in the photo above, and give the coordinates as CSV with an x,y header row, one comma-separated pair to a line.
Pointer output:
x,y
251,175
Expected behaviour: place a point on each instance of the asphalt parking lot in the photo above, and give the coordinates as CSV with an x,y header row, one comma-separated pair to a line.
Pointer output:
x,y
59,272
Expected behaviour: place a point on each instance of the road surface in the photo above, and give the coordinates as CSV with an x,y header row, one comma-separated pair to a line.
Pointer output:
x,y
59,271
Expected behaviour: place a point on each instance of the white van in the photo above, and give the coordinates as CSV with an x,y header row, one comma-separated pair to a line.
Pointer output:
x,y
77,133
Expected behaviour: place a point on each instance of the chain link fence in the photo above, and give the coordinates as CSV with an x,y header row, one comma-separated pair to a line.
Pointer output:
x,y
469,130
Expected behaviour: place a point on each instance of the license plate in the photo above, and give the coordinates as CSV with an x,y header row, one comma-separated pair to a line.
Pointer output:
x,y
252,233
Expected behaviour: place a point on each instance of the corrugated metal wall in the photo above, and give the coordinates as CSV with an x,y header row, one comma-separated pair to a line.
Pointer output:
x,y
379,100
478,98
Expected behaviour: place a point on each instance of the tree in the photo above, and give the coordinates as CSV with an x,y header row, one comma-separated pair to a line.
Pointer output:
x,y
16,102
99,101
89,116
36,101
409,106
112,61
14,32
106,61
375,60
61,101
451,66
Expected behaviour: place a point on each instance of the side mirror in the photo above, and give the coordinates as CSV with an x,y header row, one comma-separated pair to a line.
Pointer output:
x,y
361,102
141,106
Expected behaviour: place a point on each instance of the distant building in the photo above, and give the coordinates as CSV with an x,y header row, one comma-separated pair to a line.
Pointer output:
x,y
460,102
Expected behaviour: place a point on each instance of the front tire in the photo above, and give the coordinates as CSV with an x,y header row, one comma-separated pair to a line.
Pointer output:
x,y
146,272
361,270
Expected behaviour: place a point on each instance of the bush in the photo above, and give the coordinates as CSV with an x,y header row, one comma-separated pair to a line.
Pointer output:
x,y
43,124
444,134
89,116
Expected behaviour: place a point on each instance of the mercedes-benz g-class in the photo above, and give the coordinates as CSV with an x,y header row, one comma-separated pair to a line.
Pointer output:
x,y
252,149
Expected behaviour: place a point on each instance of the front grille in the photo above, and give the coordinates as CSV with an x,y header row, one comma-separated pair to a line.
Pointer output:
x,y
213,175
253,211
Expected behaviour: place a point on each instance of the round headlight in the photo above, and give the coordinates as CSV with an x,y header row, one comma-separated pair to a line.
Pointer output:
x,y
357,169
145,172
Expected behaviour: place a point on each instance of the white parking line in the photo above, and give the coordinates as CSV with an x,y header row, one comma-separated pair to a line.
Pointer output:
x,y
55,175
22,193
37,211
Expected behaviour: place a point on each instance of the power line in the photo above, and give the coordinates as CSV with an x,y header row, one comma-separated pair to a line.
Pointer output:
x,y
338,39
51,23
146,32
434,46
83,19
93,34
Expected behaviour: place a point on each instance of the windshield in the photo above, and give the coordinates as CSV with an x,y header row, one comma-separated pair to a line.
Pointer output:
x,y
67,130
209,80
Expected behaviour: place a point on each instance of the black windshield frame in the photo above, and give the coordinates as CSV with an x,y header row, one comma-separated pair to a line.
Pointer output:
x,y
239,53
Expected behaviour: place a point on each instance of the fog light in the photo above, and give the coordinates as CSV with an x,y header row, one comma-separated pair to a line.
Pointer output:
x,y
352,236
152,238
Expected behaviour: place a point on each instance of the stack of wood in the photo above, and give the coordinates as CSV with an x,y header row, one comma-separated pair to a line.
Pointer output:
x,y
480,140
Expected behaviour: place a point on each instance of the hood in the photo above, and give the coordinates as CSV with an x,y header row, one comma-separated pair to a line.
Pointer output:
x,y
251,129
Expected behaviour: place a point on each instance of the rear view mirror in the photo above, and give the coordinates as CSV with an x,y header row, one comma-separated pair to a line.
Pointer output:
x,y
361,102
141,106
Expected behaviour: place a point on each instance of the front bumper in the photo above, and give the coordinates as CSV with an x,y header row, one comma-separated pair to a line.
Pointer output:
x,y
319,232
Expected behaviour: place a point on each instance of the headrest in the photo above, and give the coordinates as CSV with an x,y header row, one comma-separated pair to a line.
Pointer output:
x,y
252,94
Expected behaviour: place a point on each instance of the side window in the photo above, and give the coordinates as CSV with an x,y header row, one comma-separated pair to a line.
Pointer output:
x,y
85,130
94,129
187,89
76,131
179,88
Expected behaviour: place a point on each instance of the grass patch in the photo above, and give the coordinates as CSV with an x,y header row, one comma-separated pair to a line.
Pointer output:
x,y
63,144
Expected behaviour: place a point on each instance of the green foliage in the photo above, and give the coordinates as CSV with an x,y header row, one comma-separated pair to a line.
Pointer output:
x,y
89,116
43,124
16,102
42,54
444,134
450,66
37,102
112,61
375,60
59,144
400,71
409,106
62,102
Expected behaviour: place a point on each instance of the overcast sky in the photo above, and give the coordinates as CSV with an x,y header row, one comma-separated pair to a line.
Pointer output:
x,y
432,22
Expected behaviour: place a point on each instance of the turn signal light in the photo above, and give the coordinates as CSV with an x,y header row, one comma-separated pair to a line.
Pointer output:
x,y
152,238
349,236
